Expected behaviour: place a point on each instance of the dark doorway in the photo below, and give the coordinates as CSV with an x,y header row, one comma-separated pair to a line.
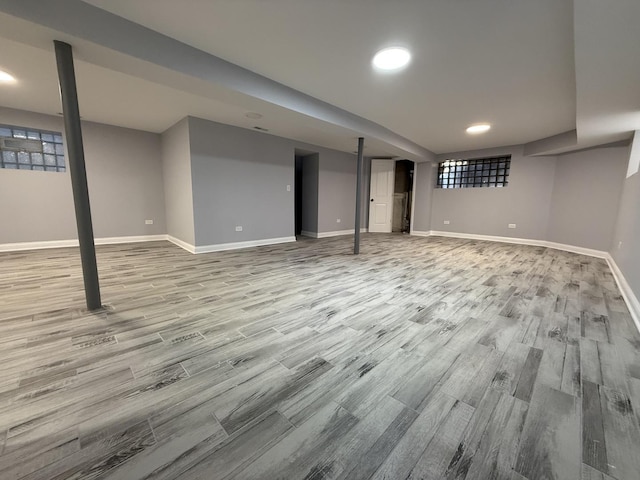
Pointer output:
x,y
402,196
298,195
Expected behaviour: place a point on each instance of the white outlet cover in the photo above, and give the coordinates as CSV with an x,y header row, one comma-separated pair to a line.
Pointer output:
x,y
447,222
148,222
512,225
238,228
288,188
338,220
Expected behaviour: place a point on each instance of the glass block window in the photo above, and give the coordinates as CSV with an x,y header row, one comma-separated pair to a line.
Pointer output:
x,y
478,172
30,149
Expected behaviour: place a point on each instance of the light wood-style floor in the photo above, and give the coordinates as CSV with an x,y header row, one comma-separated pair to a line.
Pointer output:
x,y
422,358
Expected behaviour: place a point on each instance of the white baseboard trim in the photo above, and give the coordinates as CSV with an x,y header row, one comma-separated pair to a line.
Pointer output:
x,y
419,233
630,298
581,250
490,238
237,245
182,244
336,233
519,241
134,239
21,246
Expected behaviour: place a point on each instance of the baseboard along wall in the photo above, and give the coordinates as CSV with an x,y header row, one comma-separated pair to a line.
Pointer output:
x,y
16,247
336,233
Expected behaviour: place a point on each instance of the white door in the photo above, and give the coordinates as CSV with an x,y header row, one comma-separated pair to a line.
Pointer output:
x,y
381,195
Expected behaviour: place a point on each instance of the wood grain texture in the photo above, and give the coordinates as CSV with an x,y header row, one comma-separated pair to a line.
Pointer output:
x,y
548,447
621,433
594,449
419,358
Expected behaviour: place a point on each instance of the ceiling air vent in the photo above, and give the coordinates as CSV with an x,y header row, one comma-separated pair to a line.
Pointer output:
x,y
21,145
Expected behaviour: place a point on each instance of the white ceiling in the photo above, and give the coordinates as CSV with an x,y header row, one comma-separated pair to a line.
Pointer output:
x,y
510,63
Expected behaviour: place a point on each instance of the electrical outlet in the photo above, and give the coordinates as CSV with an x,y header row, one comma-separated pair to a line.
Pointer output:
x,y
238,228
447,222
148,222
619,244
512,225
338,220
288,188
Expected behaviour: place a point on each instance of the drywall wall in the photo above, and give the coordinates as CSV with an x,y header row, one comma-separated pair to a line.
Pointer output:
x,y
178,194
125,181
423,196
336,191
626,237
310,172
124,178
488,211
240,179
586,193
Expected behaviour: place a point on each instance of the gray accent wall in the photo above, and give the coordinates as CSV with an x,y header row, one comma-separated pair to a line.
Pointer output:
x,y
125,186
336,191
488,211
310,172
178,195
627,231
423,196
586,194
124,171
240,178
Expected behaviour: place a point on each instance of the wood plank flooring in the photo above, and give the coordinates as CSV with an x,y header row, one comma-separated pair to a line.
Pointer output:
x,y
421,358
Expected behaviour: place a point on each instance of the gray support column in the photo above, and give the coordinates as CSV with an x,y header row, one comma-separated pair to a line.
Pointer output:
x,y
356,242
73,135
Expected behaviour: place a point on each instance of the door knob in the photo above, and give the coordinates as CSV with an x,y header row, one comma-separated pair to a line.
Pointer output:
x,y
372,199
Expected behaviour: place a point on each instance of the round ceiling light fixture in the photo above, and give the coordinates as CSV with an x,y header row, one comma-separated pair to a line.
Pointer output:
x,y
479,128
6,77
391,59
253,115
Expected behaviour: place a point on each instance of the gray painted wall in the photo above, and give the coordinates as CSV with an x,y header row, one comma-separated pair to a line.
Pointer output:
x,y
488,211
423,196
178,194
627,231
240,178
336,191
310,172
585,198
124,177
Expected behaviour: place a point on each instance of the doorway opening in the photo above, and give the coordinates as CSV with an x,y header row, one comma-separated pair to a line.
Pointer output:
x,y
306,193
402,196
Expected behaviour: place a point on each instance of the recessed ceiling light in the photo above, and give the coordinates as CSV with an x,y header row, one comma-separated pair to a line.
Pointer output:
x,y
6,77
479,128
390,59
254,115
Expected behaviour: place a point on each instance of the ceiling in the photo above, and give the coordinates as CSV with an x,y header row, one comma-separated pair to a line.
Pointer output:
x,y
531,69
